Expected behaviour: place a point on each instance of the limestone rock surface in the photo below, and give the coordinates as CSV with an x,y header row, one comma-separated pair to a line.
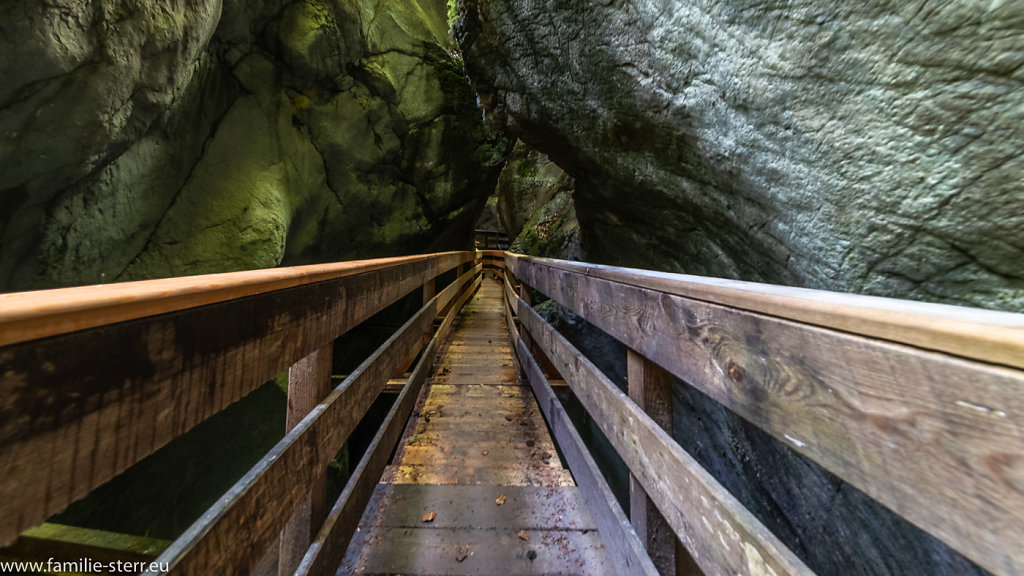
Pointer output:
x,y
535,205
142,139
871,147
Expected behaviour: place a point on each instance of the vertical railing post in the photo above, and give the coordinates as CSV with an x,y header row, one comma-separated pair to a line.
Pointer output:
x,y
650,386
538,354
524,295
429,291
309,382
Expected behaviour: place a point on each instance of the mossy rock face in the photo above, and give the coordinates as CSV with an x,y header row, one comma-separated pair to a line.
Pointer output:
x,y
529,181
284,131
553,231
534,202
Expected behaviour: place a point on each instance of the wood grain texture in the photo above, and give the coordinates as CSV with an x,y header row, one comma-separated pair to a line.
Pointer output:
x,y
466,425
428,290
650,387
935,438
985,335
28,316
232,536
624,546
496,551
96,401
721,535
309,382
327,550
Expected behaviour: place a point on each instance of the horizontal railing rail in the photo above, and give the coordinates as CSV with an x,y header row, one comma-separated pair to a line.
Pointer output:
x,y
491,240
96,378
234,535
920,406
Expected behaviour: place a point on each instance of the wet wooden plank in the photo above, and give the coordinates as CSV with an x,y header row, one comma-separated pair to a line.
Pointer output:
x,y
499,454
387,550
524,507
491,476
486,440
624,545
721,535
936,438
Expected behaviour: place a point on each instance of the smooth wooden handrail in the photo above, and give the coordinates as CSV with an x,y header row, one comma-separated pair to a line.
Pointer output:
x,y
118,371
32,315
986,335
929,428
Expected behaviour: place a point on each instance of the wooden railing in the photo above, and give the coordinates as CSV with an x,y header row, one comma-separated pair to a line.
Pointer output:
x,y
491,240
920,406
96,378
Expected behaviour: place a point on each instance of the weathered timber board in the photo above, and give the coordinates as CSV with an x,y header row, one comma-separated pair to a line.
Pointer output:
x,y
451,459
386,550
490,476
985,335
624,546
526,507
95,402
937,439
722,535
39,314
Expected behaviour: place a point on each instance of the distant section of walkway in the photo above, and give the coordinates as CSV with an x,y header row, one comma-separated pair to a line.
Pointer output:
x,y
476,485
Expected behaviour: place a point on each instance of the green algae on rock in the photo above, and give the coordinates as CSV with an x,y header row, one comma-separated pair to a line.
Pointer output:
x,y
266,132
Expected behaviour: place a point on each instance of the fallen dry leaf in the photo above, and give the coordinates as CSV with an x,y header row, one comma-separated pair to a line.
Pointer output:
x,y
523,535
429,516
500,500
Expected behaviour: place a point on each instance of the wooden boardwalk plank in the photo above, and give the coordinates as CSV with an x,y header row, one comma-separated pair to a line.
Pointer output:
x,y
492,476
500,551
526,507
476,435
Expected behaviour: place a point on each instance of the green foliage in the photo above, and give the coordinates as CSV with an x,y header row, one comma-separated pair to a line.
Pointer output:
x,y
453,17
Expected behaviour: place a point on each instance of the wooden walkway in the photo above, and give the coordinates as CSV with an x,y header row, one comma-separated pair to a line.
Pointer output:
x,y
476,486
919,406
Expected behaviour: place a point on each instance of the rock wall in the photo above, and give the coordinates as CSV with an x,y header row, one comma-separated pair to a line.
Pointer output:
x,y
535,206
870,147
143,139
